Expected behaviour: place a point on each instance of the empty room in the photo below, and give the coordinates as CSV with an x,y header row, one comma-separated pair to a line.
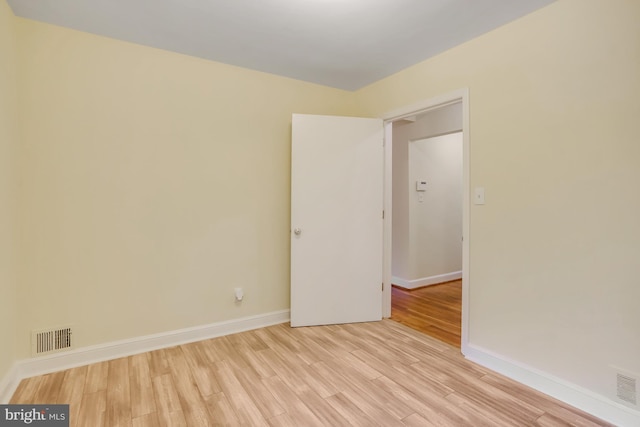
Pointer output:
x,y
198,219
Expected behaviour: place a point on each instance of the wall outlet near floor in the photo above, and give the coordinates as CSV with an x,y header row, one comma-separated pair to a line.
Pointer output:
x,y
239,293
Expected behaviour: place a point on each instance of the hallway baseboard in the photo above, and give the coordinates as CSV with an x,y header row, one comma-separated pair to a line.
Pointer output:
x,y
426,281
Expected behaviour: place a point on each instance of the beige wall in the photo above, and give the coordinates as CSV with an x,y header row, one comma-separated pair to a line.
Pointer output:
x,y
8,188
436,122
554,105
154,183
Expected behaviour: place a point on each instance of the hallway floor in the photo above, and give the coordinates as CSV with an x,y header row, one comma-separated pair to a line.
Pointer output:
x,y
434,310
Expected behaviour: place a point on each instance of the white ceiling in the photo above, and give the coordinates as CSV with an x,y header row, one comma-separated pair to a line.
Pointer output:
x,y
346,44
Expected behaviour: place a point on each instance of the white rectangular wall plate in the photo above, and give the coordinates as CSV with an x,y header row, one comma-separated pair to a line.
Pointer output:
x,y
478,196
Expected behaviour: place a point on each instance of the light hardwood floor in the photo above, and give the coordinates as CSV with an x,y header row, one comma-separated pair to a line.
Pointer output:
x,y
434,310
367,374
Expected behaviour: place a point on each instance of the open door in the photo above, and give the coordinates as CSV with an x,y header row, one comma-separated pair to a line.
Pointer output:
x,y
336,220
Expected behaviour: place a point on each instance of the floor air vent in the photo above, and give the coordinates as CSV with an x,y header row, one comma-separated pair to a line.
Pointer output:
x,y
626,388
48,341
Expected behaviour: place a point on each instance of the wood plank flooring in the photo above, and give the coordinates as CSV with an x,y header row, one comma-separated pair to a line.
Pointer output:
x,y
434,310
367,374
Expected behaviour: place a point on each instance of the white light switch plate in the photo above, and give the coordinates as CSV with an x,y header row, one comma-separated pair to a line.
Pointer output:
x,y
478,197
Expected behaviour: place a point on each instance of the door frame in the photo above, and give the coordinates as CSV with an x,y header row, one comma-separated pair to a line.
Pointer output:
x,y
460,95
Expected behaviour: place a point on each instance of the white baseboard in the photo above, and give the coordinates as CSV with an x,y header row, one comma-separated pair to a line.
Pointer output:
x,y
426,281
86,355
8,384
579,397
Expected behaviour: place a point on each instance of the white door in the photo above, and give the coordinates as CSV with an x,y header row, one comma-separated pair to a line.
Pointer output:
x,y
336,220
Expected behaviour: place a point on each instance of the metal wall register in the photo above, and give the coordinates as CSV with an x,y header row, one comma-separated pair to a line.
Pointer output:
x,y
34,415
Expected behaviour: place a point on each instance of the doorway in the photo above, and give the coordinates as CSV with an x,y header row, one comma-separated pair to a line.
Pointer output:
x,y
427,223
407,263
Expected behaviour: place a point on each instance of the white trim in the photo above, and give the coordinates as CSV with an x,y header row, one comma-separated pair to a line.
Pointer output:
x,y
83,356
387,205
466,220
426,105
9,384
426,281
572,394
461,95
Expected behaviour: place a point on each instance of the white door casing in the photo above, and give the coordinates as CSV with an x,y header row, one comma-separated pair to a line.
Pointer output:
x,y
336,219
460,95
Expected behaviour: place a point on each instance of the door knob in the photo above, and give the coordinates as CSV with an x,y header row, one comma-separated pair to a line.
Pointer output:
x,y
297,231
